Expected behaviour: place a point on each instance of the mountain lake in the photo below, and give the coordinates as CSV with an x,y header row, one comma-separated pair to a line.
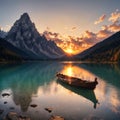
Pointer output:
x,y
32,90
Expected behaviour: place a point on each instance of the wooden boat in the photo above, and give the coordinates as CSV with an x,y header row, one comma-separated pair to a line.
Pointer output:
x,y
77,82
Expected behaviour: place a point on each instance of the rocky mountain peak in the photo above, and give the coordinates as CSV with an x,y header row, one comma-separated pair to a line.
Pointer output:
x,y
25,16
25,36
25,20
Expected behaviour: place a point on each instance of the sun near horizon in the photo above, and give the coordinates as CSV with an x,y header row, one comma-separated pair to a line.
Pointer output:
x,y
70,51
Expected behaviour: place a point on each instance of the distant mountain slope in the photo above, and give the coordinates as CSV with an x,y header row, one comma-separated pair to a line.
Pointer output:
x,y
107,50
25,36
8,52
2,34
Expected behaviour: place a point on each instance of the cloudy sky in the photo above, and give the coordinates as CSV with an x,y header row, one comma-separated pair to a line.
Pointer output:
x,y
73,24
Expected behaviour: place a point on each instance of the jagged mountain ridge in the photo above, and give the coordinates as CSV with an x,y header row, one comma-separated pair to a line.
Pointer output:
x,y
25,36
107,50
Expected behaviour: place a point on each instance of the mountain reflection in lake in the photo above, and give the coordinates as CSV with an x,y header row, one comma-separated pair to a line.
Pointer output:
x,y
35,84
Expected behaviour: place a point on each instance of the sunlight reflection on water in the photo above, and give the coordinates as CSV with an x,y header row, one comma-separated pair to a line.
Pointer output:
x,y
76,71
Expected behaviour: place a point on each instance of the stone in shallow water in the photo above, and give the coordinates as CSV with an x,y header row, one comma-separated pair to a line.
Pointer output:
x,y
49,109
5,94
1,111
56,118
12,116
15,116
12,108
23,118
5,102
33,105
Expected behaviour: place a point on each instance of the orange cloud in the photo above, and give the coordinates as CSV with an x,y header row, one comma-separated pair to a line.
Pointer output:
x,y
109,29
89,34
90,38
104,34
101,19
114,16
114,27
49,35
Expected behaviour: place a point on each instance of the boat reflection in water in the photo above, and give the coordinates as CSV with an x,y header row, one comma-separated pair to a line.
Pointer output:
x,y
88,94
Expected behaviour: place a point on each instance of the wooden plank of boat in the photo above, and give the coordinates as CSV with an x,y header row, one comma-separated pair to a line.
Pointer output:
x,y
77,82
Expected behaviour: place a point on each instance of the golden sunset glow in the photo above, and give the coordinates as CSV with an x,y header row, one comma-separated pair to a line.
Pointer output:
x,y
69,51
75,71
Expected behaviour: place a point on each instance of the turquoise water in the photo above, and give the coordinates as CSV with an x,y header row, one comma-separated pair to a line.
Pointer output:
x,y
35,83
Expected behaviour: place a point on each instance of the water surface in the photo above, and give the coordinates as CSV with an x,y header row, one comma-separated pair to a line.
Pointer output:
x,y
35,83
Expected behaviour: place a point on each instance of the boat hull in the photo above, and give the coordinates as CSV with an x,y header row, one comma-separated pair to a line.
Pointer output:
x,y
77,82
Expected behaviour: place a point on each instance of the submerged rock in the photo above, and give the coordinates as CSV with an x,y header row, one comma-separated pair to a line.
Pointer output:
x,y
1,111
5,94
12,116
56,118
15,116
5,102
12,108
33,105
23,118
49,109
